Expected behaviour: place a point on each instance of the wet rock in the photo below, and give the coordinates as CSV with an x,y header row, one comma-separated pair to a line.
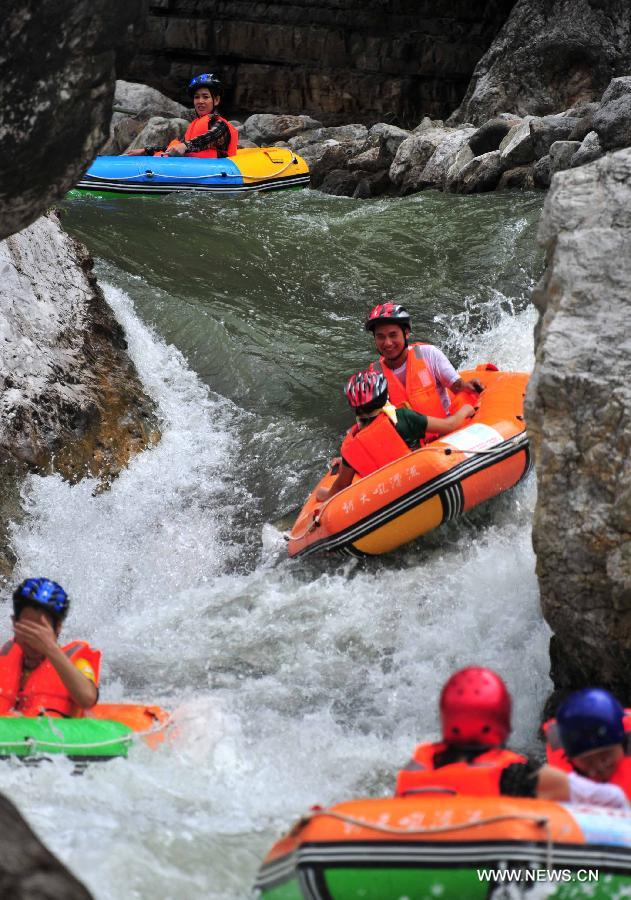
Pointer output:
x,y
326,156
489,136
372,184
28,870
542,172
521,178
264,129
612,119
70,401
56,91
561,154
550,55
443,158
546,130
517,147
589,150
158,132
579,417
411,158
461,159
340,183
389,138
481,174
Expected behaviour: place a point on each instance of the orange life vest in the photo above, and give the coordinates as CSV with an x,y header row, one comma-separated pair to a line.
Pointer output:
x,y
479,778
373,446
556,754
44,692
420,392
199,126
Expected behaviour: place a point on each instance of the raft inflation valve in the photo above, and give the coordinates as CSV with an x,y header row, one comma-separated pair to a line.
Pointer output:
x,y
149,173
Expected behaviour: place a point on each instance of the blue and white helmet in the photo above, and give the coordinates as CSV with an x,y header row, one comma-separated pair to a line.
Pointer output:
x,y
41,593
207,80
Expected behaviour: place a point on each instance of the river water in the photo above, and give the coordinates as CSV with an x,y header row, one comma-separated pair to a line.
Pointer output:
x,y
292,682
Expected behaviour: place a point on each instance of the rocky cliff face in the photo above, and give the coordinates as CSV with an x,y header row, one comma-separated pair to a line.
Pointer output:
x,y
340,60
58,72
70,398
579,414
549,56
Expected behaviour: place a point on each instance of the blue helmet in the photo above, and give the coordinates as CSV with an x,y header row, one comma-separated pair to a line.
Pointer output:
x,y
207,80
588,720
41,592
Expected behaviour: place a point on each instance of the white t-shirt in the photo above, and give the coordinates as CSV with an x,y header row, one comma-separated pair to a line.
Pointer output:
x,y
442,371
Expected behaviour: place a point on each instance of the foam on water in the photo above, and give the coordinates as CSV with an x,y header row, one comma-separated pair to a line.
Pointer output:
x,y
291,685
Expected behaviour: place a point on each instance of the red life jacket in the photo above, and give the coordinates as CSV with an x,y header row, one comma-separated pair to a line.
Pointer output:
x,y
556,754
373,446
44,692
479,778
199,126
420,392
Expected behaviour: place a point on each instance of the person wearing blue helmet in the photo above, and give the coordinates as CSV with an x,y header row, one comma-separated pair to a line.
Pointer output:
x,y
209,134
592,736
37,675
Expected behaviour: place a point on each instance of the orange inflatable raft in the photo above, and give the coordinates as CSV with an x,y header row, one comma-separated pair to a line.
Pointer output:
x,y
452,848
409,497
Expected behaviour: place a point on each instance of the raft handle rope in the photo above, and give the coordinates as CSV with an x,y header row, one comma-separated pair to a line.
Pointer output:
x,y
129,738
149,174
539,821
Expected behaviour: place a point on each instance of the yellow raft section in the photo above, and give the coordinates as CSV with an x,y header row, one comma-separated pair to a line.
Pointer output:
x,y
258,164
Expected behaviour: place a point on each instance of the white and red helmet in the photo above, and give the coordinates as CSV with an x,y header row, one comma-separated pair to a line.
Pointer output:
x,y
366,391
387,313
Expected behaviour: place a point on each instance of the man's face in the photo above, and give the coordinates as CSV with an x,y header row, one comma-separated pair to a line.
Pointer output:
x,y
30,614
389,341
599,765
203,101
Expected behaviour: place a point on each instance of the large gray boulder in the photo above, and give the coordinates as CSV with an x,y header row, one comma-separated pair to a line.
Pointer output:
x,y
482,174
589,150
28,870
406,171
441,162
335,133
389,138
612,119
517,147
144,102
561,155
158,132
265,129
549,55
579,417
58,70
546,130
489,136
123,130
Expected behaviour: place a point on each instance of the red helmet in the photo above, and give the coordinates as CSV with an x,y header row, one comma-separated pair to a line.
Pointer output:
x,y
475,708
366,391
384,313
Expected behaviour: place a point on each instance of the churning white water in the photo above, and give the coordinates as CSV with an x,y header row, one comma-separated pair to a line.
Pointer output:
x,y
290,685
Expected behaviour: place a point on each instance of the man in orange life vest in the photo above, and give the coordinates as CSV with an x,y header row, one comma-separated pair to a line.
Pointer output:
x,y
475,709
418,374
592,735
381,433
209,135
37,676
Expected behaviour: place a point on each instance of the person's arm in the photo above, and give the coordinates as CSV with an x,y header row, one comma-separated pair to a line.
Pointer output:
x,y
444,426
41,637
343,480
217,138
473,386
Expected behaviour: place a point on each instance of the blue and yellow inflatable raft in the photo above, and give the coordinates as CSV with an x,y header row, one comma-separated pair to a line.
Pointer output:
x,y
252,169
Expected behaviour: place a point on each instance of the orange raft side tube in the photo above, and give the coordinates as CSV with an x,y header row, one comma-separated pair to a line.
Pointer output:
x,y
446,478
138,717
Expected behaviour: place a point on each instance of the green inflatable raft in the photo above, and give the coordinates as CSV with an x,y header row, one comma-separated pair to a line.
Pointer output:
x,y
81,739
